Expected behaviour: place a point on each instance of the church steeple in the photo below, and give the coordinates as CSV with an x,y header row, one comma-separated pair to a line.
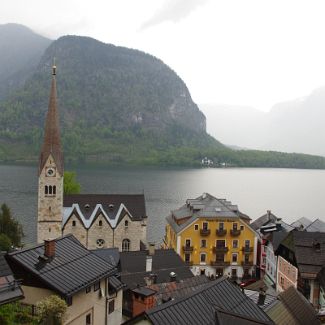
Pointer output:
x,y
52,141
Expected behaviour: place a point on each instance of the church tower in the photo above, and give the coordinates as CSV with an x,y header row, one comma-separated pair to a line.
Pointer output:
x,y
50,174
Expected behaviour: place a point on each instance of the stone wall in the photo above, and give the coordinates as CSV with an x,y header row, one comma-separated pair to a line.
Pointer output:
x,y
50,206
79,231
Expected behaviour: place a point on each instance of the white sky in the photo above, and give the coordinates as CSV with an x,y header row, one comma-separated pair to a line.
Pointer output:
x,y
244,52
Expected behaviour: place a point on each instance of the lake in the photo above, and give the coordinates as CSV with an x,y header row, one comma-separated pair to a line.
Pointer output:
x,y
289,193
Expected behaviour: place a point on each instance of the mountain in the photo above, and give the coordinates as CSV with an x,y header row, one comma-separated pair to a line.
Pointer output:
x,y
116,105
292,126
20,52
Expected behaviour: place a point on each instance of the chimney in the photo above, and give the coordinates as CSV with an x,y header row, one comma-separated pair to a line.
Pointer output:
x,y
278,224
49,248
172,277
261,297
268,213
149,263
151,249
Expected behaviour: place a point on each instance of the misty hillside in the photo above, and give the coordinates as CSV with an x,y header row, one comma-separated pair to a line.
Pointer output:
x,y
20,52
293,126
115,103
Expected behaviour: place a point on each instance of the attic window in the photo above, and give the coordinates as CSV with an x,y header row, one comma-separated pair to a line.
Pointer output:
x,y
111,206
73,223
126,223
87,206
100,223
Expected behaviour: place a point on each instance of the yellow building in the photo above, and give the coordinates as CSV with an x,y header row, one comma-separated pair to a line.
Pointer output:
x,y
213,236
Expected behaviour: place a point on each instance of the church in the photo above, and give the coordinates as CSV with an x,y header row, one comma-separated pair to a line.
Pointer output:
x,y
96,220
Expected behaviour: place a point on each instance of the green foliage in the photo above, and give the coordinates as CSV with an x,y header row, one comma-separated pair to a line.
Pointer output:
x,y
5,243
70,185
10,229
17,314
52,310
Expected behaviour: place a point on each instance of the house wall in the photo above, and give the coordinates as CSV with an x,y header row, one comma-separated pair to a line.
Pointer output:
x,y
82,304
79,231
136,231
287,275
177,242
271,263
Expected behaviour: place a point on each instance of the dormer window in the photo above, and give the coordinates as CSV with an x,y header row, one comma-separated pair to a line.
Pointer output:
x,y
111,207
87,206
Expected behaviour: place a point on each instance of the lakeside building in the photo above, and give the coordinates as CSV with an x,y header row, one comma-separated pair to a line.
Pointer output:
x,y
64,267
97,221
213,237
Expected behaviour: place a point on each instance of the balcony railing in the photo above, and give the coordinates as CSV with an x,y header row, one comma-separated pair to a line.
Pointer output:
x,y
234,232
219,263
187,249
247,263
221,232
205,232
247,249
220,249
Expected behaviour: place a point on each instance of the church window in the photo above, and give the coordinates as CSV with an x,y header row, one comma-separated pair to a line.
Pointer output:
x,y
50,189
126,245
46,190
54,189
100,223
49,229
73,223
126,223
100,242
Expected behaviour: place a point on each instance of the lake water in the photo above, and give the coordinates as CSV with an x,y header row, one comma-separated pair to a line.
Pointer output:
x,y
289,193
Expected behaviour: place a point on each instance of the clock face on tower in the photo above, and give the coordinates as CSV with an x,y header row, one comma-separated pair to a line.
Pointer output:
x,y
50,171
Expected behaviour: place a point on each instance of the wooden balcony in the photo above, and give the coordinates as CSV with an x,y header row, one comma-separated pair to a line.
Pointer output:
x,y
235,232
221,232
247,249
247,263
205,232
219,263
187,249
220,249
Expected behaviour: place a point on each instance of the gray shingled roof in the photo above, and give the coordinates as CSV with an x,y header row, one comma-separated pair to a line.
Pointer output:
x,y
316,226
164,261
200,306
73,268
204,206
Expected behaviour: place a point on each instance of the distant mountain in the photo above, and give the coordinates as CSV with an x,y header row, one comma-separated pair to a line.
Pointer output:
x,y
293,126
110,98
117,106
20,52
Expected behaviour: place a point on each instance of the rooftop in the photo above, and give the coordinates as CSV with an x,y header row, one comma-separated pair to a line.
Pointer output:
x,y
72,269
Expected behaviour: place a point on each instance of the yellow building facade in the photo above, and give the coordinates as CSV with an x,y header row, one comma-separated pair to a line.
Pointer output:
x,y
213,236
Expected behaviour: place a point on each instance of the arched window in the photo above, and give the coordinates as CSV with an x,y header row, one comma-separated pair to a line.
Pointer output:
x,y
126,245
73,223
46,190
126,223
100,223
49,229
54,189
50,189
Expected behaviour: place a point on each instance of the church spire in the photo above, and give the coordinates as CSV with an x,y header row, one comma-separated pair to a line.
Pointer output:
x,y
52,141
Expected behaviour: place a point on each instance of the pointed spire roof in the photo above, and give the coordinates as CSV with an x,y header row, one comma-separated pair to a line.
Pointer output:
x,y
52,140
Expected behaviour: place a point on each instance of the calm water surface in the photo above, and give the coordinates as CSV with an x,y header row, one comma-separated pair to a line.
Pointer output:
x,y
289,193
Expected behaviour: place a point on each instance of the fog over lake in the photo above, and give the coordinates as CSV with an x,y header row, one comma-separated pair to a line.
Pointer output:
x,y
289,193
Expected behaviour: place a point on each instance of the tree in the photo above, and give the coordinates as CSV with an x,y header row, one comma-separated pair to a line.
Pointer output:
x,y
5,243
9,228
52,310
71,186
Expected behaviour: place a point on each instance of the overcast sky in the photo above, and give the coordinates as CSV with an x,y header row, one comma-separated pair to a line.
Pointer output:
x,y
244,52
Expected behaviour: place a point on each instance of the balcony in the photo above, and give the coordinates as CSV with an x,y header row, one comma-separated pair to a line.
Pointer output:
x,y
205,232
187,249
220,249
247,263
247,249
235,232
221,232
219,263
